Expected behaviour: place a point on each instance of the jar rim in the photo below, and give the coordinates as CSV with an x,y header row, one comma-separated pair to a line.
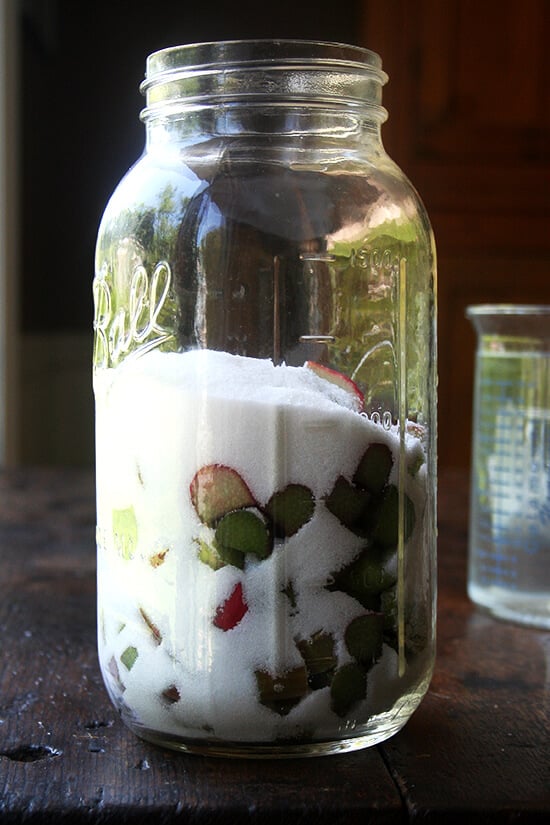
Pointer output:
x,y
207,55
324,74
522,322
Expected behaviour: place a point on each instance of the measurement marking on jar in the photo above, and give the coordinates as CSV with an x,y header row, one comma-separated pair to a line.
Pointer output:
x,y
317,339
327,257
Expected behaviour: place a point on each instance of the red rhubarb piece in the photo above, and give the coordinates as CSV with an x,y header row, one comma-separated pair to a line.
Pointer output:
x,y
340,380
231,611
217,490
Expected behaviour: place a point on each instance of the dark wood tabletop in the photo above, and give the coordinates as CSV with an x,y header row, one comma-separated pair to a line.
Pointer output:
x,y
476,751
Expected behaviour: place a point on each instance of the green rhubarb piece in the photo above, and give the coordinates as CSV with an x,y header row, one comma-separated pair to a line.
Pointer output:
x,y
386,529
128,657
415,463
348,687
348,504
217,557
290,509
374,469
364,579
319,656
282,692
243,531
216,490
124,525
364,637
228,555
210,556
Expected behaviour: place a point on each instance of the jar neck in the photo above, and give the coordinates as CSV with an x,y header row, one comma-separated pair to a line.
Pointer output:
x,y
266,89
262,126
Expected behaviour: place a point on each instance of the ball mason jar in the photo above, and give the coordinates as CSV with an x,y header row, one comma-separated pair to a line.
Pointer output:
x,y
264,376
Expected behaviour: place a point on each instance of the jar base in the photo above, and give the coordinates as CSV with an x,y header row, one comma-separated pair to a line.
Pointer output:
x,y
272,750
350,736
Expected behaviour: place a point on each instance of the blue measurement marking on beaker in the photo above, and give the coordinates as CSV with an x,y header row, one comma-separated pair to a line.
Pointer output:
x,y
504,473
496,549
497,562
500,513
492,439
508,382
509,542
501,486
497,570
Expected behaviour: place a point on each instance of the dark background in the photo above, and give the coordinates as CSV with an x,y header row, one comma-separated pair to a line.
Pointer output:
x,y
82,64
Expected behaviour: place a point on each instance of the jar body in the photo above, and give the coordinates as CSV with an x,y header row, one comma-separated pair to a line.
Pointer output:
x,y
264,373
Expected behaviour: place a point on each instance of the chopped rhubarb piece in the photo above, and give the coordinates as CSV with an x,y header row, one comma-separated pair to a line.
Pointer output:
x,y
374,469
386,530
125,532
113,671
364,579
364,636
209,555
158,558
290,509
243,531
155,632
340,380
229,555
319,656
348,504
282,692
217,490
171,695
232,610
290,592
128,657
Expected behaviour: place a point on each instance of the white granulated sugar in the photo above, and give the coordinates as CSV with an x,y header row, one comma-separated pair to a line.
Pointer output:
x,y
162,417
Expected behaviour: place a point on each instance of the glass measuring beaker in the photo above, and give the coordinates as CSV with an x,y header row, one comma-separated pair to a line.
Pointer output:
x,y
509,544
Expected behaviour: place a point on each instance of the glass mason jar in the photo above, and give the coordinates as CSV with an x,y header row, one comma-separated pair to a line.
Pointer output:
x,y
264,375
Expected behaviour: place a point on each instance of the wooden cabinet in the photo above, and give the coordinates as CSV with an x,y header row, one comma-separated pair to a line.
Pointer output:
x,y
469,103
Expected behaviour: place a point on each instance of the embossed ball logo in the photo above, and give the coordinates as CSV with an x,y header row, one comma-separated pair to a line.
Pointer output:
x,y
120,330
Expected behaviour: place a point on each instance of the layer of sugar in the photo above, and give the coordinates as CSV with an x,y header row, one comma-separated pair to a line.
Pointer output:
x,y
159,419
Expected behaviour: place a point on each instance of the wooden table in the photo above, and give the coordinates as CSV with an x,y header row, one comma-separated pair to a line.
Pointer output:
x,y
476,751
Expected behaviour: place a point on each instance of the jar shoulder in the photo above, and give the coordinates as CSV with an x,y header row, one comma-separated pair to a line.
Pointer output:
x,y
354,201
